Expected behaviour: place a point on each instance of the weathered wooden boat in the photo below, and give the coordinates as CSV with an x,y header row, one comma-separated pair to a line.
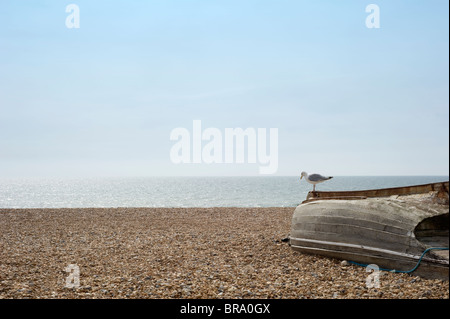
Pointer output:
x,y
405,229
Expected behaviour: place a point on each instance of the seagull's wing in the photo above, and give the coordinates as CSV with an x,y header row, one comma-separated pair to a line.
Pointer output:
x,y
317,178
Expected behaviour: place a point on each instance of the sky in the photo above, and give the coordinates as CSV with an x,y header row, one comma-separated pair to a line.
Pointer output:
x,y
103,99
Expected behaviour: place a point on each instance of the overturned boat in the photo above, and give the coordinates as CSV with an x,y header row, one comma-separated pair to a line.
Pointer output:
x,y
403,229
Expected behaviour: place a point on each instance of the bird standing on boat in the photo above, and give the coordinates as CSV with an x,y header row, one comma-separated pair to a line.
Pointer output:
x,y
315,179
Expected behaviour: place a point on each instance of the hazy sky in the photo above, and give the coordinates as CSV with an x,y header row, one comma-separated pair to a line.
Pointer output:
x,y
102,99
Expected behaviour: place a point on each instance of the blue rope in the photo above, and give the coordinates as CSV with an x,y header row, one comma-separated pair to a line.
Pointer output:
x,y
404,271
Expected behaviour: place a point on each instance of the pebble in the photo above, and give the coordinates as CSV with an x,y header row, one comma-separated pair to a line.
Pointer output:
x,y
194,253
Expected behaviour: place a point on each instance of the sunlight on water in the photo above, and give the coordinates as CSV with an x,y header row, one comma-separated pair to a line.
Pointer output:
x,y
183,191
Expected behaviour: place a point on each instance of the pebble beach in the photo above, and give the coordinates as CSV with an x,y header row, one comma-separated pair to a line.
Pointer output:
x,y
198,253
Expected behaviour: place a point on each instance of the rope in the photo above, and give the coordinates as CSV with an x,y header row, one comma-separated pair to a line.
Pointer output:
x,y
404,271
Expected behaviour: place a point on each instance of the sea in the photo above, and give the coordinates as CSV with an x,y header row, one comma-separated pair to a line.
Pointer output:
x,y
253,191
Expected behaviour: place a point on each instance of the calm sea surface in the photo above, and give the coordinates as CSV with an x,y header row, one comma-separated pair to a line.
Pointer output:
x,y
183,191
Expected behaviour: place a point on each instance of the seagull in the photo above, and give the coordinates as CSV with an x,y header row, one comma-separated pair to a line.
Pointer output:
x,y
315,179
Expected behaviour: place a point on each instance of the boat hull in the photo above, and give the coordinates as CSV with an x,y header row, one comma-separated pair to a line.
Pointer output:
x,y
391,233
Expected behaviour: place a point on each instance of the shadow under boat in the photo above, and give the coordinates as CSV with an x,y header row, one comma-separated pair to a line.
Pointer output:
x,y
405,229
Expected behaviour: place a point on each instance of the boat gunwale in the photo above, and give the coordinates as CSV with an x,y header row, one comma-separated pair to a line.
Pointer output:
x,y
436,260
378,192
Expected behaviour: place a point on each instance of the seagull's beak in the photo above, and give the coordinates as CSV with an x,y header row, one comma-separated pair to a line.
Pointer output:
x,y
301,177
